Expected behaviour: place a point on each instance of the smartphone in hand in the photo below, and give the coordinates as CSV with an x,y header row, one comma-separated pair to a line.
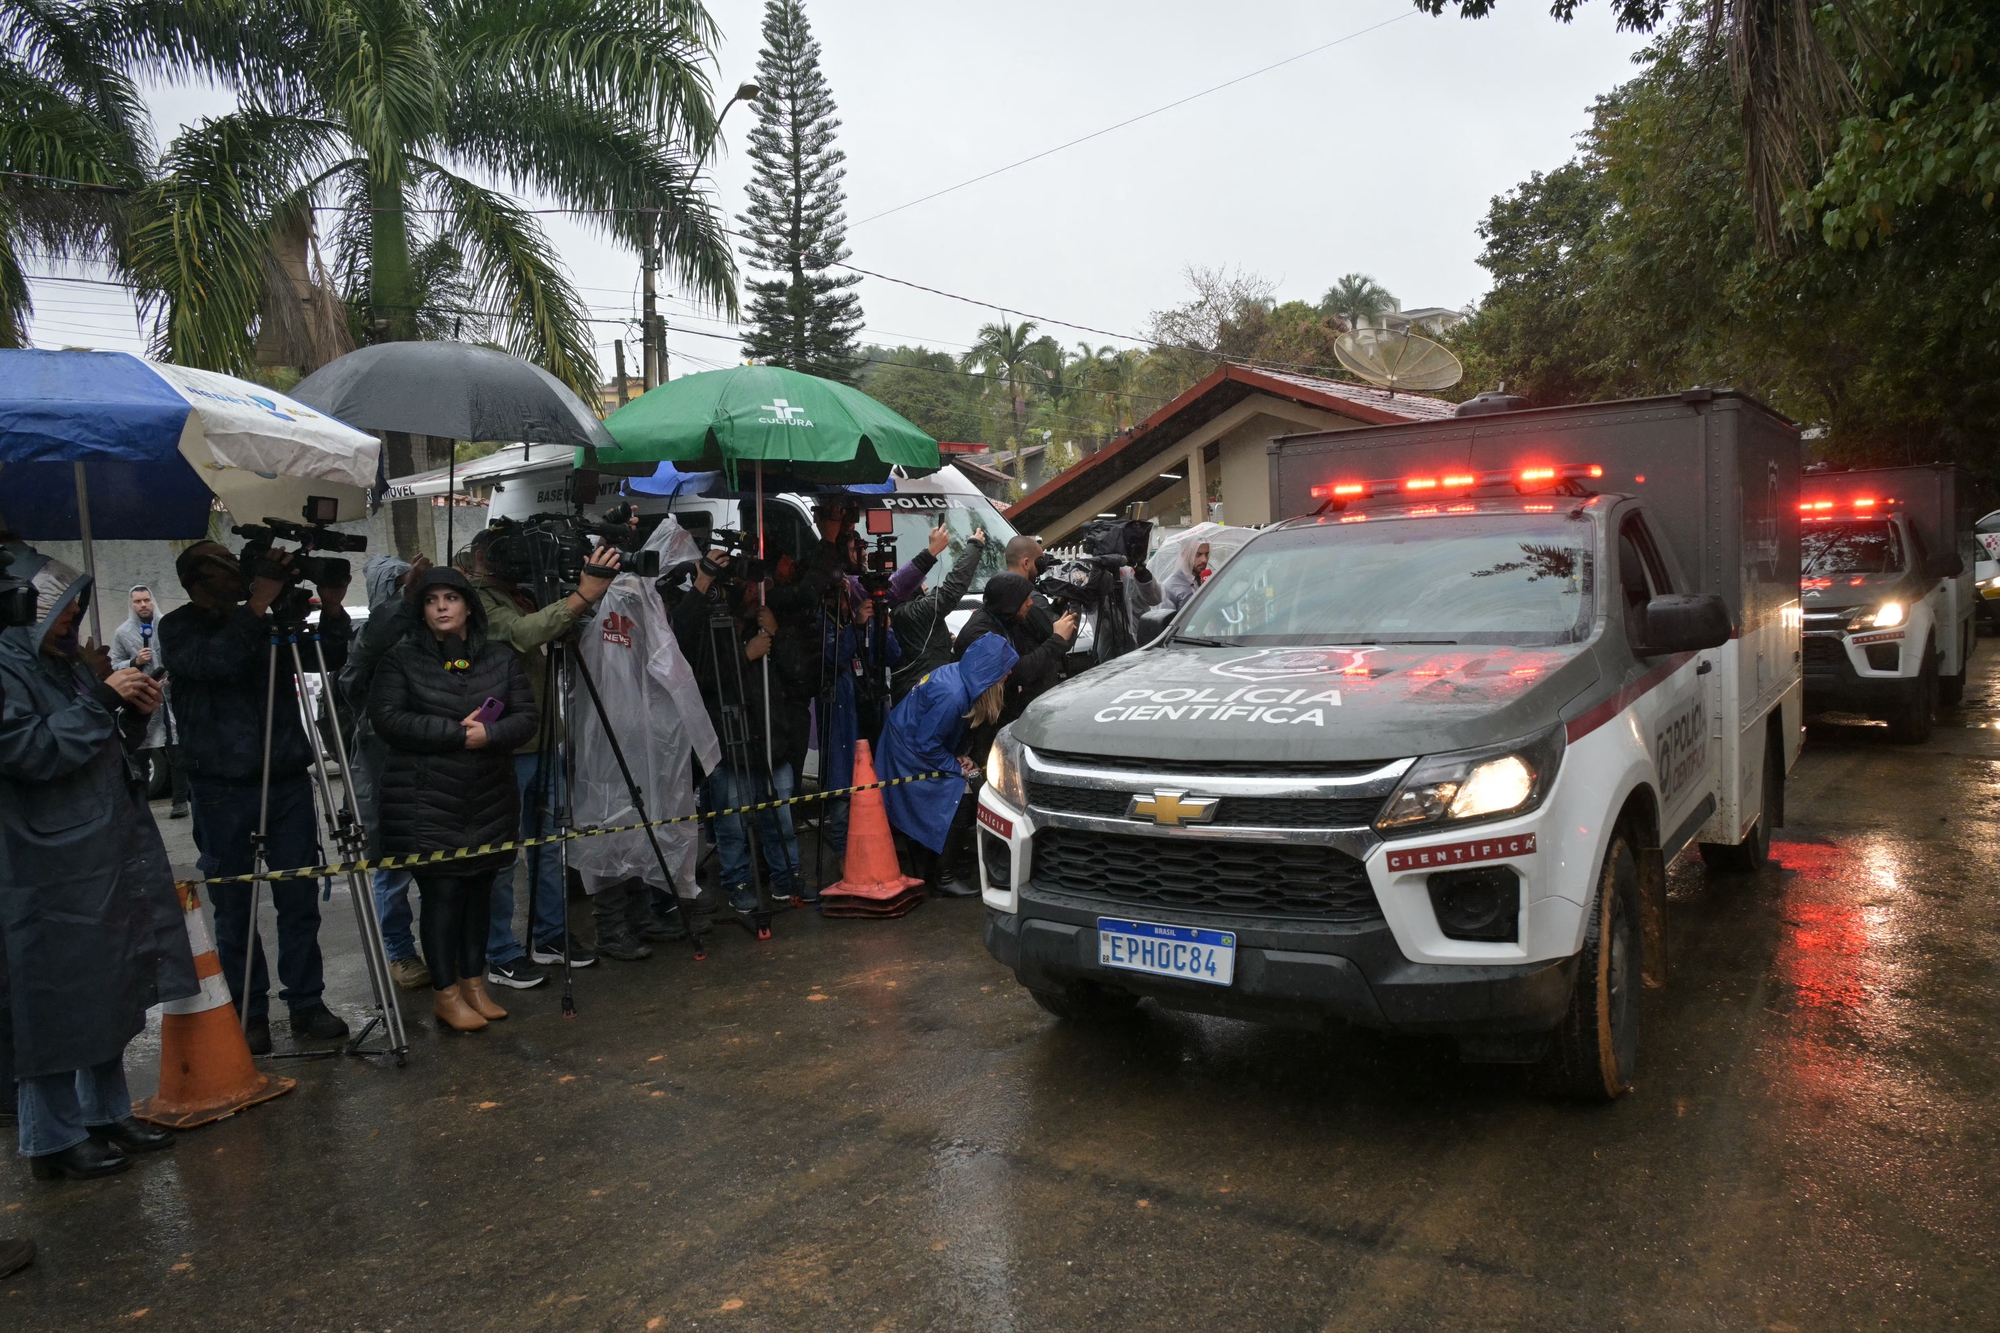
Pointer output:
x,y
489,712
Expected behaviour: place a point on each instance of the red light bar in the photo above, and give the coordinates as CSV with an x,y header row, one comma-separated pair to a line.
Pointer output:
x,y
1454,481
1866,502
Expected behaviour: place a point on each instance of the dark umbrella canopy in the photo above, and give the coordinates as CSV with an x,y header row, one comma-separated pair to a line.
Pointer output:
x,y
452,390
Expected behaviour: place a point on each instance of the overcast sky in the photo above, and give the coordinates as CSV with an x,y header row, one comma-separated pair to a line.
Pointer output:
x,y
1378,155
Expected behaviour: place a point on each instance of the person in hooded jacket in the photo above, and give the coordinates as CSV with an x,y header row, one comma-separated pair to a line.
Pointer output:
x,y
1190,555
92,932
926,733
448,778
1007,609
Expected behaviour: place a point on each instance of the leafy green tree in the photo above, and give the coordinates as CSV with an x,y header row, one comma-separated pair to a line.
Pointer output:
x,y
70,120
804,318
925,386
377,109
1010,354
1357,299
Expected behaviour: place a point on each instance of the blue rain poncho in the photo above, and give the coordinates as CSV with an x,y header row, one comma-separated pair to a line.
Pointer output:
x,y
923,735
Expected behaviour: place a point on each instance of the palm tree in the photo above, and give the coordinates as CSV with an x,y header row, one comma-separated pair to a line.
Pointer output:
x,y
1356,299
74,139
1010,353
374,111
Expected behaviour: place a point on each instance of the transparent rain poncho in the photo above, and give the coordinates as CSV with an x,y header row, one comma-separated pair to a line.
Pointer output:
x,y
651,697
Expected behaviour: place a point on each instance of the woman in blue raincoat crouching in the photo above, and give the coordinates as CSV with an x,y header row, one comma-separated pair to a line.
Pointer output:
x,y
925,734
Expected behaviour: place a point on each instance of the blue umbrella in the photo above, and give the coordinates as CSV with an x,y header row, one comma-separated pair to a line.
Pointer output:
x,y
103,444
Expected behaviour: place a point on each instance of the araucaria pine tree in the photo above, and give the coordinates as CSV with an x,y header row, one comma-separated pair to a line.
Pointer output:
x,y
803,316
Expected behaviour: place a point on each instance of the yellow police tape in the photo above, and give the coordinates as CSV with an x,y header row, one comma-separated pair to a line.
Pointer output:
x,y
520,844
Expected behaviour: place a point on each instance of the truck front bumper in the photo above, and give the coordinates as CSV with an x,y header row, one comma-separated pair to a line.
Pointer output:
x,y
1832,681
1290,972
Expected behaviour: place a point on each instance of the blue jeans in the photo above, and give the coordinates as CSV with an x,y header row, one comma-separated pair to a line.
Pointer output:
x,y
58,1110
728,788
225,817
392,905
544,870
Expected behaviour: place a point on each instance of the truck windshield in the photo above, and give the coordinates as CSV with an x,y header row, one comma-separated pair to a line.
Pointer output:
x,y
967,513
1500,579
1850,546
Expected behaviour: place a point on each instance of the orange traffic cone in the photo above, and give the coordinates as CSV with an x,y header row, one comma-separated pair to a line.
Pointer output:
x,y
205,1068
871,881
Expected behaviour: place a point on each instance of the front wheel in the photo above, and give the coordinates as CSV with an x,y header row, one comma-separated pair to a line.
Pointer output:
x,y
1910,724
1951,689
1596,1046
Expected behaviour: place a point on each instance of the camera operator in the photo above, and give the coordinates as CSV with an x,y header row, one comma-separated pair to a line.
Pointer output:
x,y
91,930
753,634
391,612
136,643
221,650
920,623
513,619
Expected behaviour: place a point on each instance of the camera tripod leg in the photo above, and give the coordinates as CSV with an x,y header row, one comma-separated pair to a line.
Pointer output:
x,y
639,807
351,840
259,852
551,778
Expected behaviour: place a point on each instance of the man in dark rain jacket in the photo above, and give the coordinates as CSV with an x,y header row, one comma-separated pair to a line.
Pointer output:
x,y
92,933
921,623
221,649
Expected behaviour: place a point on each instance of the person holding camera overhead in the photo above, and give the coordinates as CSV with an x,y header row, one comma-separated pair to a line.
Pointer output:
x,y
513,619
220,646
452,706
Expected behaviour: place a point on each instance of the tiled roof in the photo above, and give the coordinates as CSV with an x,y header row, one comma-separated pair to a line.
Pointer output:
x,y
1415,406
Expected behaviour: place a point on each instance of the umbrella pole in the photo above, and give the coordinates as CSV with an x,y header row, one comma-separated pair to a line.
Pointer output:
x,y
763,600
450,501
89,555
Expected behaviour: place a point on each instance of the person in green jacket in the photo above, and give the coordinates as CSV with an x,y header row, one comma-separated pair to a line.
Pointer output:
x,y
513,618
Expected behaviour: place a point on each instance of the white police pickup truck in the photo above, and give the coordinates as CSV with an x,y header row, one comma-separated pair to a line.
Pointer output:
x,y
1419,756
1888,594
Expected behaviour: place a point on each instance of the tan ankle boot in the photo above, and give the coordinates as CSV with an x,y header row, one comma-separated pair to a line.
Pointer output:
x,y
453,1011
474,991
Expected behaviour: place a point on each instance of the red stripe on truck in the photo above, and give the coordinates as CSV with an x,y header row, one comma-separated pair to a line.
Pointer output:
x,y
1596,716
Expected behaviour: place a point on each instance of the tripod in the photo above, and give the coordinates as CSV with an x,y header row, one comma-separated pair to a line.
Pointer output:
x,y
736,749
288,626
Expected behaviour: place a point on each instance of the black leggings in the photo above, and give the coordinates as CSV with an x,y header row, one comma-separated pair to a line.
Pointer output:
x,y
456,910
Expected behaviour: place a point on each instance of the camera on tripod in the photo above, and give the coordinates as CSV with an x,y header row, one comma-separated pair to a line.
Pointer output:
x,y
879,561
743,567
550,548
315,534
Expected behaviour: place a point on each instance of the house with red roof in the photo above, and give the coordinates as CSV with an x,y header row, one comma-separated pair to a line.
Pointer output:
x,y
1210,439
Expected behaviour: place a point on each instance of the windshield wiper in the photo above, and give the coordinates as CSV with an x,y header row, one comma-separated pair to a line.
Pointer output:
x,y
1197,641
1424,643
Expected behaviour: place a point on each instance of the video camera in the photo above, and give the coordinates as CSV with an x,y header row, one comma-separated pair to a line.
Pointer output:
x,y
736,545
315,534
879,561
17,596
1084,581
550,548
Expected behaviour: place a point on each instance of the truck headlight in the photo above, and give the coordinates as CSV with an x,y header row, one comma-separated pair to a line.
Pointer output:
x,y
1488,783
1003,769
1886,616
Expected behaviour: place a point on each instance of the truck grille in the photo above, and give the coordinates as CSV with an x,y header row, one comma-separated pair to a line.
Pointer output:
x,y
1306,883
1243,811
1824,651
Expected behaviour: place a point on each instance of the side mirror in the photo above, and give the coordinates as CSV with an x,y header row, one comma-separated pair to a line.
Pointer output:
x,y
1948,565
1152,622
1679,623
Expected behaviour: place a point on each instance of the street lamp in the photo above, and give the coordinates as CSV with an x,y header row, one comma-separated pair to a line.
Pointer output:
x,y
748,92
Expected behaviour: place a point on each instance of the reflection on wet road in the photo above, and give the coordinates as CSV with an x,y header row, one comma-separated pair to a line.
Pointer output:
x,y
864,1125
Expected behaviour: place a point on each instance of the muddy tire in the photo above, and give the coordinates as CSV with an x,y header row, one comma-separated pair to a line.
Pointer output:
x,y
1951,689
1084,1003
1910,724
1596,1046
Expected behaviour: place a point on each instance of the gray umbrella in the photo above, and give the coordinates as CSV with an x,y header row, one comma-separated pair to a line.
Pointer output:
x,y
452,390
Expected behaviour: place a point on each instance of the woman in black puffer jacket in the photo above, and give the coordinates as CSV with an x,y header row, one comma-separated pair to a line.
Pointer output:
x,y
449,779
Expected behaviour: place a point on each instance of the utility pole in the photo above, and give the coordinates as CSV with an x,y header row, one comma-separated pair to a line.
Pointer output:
x,y
618,348
649,260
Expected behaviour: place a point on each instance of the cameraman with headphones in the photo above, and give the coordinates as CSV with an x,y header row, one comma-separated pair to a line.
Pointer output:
x,y
512,618
220,647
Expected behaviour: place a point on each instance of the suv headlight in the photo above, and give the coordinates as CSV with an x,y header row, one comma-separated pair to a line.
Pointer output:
x,y
1492,782
1003,769
1886,616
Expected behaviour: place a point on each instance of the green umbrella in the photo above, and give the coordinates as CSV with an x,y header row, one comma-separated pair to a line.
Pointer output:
x,y
795,425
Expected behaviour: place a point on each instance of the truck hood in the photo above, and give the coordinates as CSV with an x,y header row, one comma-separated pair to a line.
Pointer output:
x,y
1293,704
1841,592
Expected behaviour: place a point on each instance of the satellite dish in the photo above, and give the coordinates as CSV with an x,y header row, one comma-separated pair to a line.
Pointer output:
x,y
1392,359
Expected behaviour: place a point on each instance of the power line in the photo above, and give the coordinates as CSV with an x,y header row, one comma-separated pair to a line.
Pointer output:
x,y
1144,115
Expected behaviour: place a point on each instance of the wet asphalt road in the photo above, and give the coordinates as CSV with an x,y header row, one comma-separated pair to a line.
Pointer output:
x,y
865,1125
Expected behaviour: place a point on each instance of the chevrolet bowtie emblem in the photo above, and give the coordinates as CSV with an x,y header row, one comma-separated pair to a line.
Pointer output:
x,y
1173,807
